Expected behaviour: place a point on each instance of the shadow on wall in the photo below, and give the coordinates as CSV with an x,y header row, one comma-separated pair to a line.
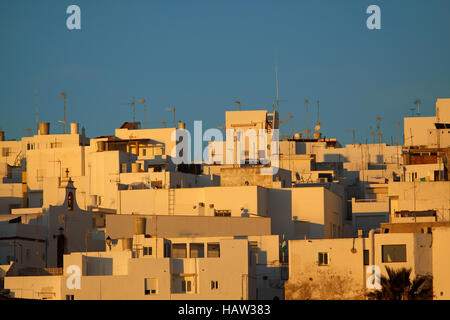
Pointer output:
x,y
99,266
325,285
8,203
271,282
334,158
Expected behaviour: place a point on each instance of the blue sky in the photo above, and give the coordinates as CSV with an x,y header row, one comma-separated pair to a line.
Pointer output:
x,y
202,55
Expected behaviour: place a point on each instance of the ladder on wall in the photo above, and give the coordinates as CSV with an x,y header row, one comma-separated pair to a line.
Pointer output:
x,y
171,202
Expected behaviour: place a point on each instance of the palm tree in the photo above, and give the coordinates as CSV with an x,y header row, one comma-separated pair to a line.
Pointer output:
x,y
398,286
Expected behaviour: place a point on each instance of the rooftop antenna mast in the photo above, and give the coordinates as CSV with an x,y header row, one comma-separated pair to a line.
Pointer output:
x,y
372,133
318,107
291,117
307,125
418,102
238,103
276,80
36,98
318,123
353,135
143,101
398,141
29,131
380,136
132,104
172,109
64,96
412,111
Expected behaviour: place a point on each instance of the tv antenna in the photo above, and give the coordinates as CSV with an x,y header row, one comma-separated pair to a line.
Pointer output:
x,y
36,98
307,125
163,123
318,122
372,133
276,81
132,104
27,130
291,117
353,135
380,136
64,96
418,102
172,109
143,102
238,103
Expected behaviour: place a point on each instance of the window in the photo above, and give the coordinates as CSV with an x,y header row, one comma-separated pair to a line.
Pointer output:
x,y
213,250
167,250
214,285
70,201
148,251
196,250
254,250
179,250
6,152
54,145
323,258
186,286
366,257
394,253
222,213
70,297
151,286
156,184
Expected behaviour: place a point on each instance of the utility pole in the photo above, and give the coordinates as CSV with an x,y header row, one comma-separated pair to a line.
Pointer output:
x,y
143,101
64,96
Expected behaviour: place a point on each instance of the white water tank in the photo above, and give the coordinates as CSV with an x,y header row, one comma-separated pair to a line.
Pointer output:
x,y
44,128
74,127
181,125
135,167
139,225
